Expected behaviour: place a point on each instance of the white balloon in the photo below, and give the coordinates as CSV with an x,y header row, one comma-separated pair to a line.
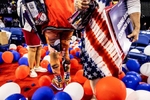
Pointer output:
x,y
71,45
76,47
145,69
75,90
13,46
129,91
76,42
47,57
8,89
139,95
147,50
25,55
135,50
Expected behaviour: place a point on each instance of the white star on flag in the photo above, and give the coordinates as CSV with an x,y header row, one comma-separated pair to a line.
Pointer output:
x,y
89,69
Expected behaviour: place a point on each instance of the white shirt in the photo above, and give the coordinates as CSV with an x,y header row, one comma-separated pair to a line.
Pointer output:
x,y
9,10
2,25
133,5
27,26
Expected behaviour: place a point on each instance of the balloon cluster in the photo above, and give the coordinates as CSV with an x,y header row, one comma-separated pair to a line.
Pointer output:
x,y
10,91
137,77
20,54
132,84
46,93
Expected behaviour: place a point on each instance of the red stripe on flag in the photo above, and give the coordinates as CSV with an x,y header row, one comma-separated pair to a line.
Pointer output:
x,y
100,48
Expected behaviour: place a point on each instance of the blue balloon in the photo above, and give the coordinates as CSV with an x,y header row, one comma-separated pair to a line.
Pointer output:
x,y
16,97
49,68
11,50
135,74
133,65
45,45
70,49
143,86
47,52
43,93
23,61
80,47
1,60
16,56
71,56
71,42
24,45
62,96
78,54
130,81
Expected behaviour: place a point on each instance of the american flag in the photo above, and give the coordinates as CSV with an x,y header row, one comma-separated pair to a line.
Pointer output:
x,y
101,55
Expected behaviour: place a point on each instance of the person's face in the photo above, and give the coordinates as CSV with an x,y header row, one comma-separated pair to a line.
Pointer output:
x,y
52,34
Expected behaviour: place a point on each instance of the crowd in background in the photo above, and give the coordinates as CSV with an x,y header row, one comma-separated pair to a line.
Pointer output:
x,y
145,27
6,23
8,8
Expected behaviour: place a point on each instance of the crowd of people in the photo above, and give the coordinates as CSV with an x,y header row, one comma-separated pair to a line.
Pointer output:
x,y
145,27
8,8
8,12
7,23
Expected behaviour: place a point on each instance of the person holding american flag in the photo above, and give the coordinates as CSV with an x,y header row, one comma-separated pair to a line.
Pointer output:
x,y
99,55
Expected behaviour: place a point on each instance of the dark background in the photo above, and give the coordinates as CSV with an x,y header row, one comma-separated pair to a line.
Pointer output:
x,y
145,12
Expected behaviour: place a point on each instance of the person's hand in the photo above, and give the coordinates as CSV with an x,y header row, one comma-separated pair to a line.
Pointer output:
x,y
134,35
82,4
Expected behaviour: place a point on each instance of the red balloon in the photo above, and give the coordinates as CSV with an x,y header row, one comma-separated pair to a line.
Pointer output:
x,y
77,49
23,51
44,81
44,63
45,47
74,62
80,66
110,88
19,47
144,78
79,77
22,72
87,88
7,57
73,52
